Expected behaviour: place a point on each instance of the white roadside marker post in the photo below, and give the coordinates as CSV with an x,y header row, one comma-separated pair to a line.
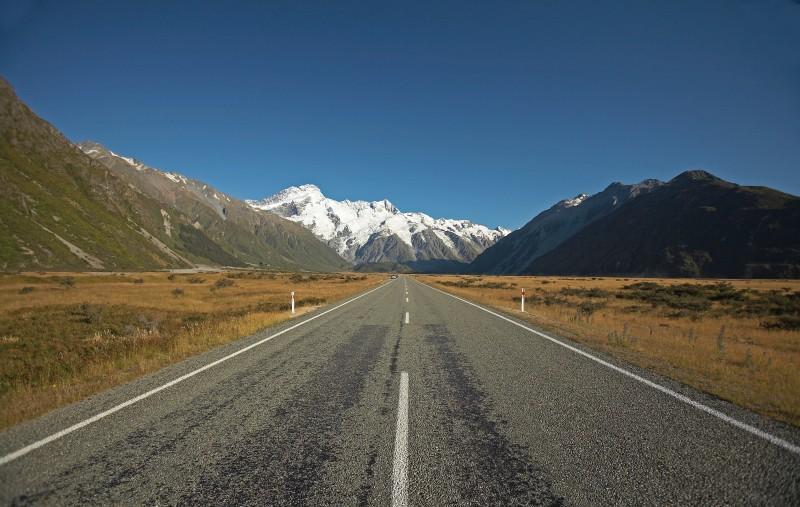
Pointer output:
x,y
522,301
292,302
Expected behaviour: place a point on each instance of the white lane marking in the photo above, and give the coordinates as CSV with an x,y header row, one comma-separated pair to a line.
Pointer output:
x,y
55,436
406,317
669,392
406,300
400,473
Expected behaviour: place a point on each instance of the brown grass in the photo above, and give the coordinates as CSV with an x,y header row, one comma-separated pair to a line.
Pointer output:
x,y
736,339
69,335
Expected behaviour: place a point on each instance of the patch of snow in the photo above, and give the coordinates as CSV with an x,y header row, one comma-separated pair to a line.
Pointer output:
x,y
177,178
575,201
444,237
133,162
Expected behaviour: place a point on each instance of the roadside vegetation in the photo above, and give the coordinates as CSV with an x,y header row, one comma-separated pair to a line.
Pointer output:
x,y
736,339
66,336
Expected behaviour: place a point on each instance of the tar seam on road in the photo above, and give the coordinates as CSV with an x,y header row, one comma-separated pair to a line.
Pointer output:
x,y
696,404
400,472
55,436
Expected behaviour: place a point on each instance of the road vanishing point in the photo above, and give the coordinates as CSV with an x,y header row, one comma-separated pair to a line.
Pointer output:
x,y
402,395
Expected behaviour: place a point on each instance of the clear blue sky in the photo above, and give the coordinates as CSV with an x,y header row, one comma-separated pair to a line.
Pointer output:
x,y
490,111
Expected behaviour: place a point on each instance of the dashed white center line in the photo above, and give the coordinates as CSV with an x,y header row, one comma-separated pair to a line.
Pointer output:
x,y
400,473
406,317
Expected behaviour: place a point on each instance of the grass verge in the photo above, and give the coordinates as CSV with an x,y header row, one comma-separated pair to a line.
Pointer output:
x,y
69,335
736,339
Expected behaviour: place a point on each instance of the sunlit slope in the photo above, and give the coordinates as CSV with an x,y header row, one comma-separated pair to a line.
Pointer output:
x,y
62,210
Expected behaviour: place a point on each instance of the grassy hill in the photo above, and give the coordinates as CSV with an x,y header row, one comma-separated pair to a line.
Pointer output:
x,y
62,210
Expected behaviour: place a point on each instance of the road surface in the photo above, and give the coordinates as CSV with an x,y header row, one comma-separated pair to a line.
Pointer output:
x,y
400,399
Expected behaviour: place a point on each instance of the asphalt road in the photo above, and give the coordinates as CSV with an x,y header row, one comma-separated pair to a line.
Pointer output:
x,y
493,415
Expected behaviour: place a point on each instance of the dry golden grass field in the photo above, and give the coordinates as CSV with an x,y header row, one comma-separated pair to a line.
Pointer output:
x,y
68,335
736,339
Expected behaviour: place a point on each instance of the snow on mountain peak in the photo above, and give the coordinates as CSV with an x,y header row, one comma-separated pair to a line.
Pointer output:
x,y
575,201
353,228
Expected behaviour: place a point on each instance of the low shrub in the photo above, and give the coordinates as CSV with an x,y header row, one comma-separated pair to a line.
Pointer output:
x,y
785,322
223,282
587,293
303,278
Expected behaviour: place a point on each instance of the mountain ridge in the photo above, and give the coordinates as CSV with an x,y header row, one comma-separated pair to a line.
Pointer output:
x,y
694,225
548,229
248,236
376,232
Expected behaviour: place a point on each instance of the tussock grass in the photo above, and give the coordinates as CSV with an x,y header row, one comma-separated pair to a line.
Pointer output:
x,y
736,339
64,337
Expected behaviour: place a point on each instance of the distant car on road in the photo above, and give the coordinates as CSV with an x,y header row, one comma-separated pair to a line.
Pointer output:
x,y
394,276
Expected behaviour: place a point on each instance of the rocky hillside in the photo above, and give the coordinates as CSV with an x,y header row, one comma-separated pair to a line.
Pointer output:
x,y
62,210
245,236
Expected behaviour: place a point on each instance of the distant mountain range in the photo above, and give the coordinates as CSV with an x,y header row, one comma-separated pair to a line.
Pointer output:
x,y
378,234
695,225
83,207
62,208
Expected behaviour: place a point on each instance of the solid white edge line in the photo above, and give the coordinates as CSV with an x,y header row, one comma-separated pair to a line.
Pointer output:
x,y
785,444
55,436
400,470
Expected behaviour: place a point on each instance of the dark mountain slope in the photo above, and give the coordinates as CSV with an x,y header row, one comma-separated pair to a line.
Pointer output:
x,y
695,225
513,253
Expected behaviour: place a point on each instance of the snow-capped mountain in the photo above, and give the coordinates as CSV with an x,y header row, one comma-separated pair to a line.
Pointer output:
x,y
369,232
